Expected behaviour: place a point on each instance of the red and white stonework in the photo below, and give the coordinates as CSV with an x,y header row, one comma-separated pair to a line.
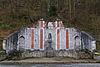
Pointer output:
x,y
63,41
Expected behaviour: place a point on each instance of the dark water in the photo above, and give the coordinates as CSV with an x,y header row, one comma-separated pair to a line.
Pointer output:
x,y
55,65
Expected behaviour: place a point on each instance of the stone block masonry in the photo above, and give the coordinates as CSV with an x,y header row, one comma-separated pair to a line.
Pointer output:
x,y
49,39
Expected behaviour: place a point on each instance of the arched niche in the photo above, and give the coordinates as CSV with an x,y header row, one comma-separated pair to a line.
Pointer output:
x,y
77,42
21,42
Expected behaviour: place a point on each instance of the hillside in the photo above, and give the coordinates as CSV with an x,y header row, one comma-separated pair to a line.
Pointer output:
x,y
17,14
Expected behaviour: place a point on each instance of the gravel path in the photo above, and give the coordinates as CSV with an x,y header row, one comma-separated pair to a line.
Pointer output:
x,y
56,65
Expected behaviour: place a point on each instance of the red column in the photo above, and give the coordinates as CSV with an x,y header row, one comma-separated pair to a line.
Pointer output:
x,y
41,23
67,39
58,39
57,23
32,39
41,38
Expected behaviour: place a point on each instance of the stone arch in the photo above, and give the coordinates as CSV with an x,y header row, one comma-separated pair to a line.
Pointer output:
x,y
21,42
77,43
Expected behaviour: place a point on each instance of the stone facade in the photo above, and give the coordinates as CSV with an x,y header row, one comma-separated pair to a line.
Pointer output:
x,y
49,39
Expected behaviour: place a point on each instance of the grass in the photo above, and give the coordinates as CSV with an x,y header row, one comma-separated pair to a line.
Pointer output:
x,y
98,47
99,53
1,48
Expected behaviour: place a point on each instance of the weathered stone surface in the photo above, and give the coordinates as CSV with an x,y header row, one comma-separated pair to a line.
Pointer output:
x,y
84,55
55,40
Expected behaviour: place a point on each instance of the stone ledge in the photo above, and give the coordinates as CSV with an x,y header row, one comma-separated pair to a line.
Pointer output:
x,y
49,61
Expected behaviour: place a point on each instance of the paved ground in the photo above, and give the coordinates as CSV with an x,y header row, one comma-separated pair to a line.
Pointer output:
x,y
56,65
49,61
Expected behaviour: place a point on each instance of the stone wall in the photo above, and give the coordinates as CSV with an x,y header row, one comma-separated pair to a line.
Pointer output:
x,y
11,41
50,53
21,40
